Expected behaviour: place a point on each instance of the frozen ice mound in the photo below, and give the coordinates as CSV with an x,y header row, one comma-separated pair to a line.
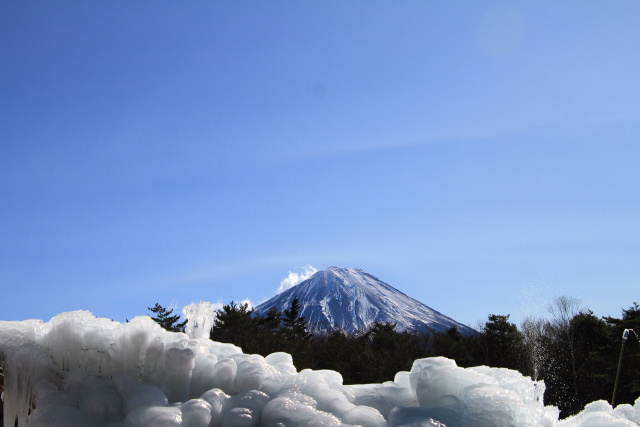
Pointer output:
x,y
480,396
200,318
78,370
600,413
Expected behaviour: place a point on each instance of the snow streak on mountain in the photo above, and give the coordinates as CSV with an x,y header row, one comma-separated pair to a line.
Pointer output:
x,y
351,299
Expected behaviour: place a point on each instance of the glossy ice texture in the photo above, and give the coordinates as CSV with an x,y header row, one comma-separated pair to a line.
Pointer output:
x,y
78,370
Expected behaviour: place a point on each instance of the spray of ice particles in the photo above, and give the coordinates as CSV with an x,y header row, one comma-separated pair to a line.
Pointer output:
x,y
78,370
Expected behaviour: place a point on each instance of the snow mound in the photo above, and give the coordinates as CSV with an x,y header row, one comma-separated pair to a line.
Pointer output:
x,y
78,370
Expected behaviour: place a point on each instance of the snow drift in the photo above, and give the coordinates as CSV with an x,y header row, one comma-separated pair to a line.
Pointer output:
x,y
78,370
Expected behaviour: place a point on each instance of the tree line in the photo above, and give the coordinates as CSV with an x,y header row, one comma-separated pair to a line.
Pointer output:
x,y
575,352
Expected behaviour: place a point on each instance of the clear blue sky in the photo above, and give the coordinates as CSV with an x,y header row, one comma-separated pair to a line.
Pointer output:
x,y
482,157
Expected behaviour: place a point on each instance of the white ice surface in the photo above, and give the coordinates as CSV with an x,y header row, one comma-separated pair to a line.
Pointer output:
x,y
78,370
200,318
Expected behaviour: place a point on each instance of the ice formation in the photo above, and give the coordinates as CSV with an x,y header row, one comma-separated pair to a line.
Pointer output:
x,y
78,370
200,318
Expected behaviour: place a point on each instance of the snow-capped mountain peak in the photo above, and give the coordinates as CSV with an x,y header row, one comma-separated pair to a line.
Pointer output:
x,y
351,299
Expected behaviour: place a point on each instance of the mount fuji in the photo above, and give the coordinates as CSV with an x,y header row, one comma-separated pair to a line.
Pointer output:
x,y
351,300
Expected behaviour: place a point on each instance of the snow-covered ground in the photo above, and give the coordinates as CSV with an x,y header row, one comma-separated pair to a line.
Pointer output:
x,y
78,370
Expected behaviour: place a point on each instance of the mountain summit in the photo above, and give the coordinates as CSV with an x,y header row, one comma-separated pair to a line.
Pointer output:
x,y
351,300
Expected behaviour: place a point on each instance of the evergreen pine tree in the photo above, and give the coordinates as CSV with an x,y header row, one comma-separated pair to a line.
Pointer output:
x,y
501,342
164,318
235,324
294,325
453,345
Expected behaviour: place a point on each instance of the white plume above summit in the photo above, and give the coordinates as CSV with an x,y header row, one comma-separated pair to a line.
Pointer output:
x,y
294,278
351,300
